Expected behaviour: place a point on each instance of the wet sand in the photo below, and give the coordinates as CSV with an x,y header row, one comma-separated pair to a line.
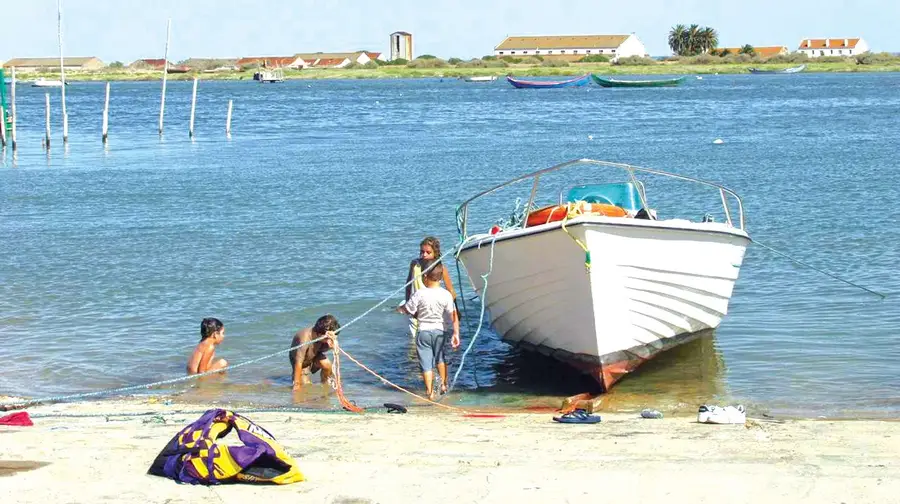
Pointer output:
x,y
427,455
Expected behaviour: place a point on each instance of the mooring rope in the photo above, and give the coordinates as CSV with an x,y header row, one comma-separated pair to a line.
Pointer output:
x,y
398,387
132,388
798,261
574,210
466,317
338,384
134,414
483,295
144,386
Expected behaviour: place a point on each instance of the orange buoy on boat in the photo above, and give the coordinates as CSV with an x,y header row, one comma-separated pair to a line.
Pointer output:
x,y
555,213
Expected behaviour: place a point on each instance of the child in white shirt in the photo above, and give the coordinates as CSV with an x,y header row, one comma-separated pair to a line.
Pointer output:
x,y
433,308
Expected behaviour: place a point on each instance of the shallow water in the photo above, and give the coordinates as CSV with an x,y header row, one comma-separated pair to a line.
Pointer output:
x,y
109,258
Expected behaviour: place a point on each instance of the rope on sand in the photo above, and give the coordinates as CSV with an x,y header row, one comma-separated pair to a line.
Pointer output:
x,y
136,414
398,387
338,385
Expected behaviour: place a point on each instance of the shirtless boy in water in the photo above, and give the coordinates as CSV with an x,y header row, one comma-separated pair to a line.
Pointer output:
x,y
212,333
310,359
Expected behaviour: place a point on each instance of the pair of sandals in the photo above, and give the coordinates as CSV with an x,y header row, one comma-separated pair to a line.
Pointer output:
x,y
578,416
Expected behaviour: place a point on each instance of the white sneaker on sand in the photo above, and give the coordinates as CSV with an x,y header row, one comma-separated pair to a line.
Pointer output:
x,y
703,413
721,415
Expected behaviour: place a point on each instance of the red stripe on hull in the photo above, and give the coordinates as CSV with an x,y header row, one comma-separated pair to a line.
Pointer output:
x,y
611,368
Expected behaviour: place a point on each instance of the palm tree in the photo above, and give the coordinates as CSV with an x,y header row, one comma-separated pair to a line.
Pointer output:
x,y
676,39
691,39
748,49
708,39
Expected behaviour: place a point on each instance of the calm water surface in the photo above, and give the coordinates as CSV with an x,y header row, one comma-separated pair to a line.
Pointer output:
x,y
109,258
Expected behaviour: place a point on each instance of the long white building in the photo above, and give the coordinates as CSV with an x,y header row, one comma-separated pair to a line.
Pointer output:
x,y
572,47
815,48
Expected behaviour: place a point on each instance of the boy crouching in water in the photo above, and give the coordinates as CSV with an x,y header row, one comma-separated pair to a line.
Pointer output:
x,y
212,333
310,359
433,308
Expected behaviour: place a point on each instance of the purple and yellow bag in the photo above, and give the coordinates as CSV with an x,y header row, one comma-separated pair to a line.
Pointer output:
x,y
194,455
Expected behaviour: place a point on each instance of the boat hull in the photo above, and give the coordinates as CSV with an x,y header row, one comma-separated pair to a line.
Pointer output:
x,y
792,70
527,84
481,78
612,83
651,286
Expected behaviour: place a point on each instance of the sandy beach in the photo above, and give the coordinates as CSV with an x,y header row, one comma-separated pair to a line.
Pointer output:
x,y
427,455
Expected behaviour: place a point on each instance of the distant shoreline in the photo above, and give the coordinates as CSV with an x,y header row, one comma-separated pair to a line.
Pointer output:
x,y
403,72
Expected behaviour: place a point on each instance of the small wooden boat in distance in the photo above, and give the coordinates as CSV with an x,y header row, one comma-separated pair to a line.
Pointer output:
x,y
792,70
542,84
607,82
481,78
266,76
42,82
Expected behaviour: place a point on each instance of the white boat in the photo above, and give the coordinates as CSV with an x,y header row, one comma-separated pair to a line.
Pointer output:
x,y
792,70
601,284
269,75
42,82
481,78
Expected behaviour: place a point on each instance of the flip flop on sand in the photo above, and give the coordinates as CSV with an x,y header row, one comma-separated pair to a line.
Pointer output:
x,y
394,408
578,416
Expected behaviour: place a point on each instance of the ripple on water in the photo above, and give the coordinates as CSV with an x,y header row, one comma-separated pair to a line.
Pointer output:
x,y
111,258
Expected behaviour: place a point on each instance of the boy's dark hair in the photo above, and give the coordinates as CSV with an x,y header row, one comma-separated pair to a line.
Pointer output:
x,y
210,326
436,272
326,323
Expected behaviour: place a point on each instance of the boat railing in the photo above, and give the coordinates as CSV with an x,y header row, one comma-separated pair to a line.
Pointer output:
x,y
462,211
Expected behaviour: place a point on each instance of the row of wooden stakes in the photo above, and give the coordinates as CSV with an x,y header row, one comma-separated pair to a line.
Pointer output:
x,y
105,127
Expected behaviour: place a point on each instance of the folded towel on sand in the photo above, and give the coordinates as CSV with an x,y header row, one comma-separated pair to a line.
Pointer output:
x,y
20,419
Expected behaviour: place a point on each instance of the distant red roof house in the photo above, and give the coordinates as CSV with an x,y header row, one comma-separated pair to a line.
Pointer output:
x,y
343,59
373,55
823,43
832,47
151,64
761,51
29,64
157,64
331,63
269,61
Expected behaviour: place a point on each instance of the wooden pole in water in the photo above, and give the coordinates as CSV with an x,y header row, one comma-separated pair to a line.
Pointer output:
x,y
106,115
62,71
228,121
162,101
47,120
2,124
13,105
193,108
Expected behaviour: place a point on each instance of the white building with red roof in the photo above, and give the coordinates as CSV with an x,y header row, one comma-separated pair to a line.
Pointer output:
x,y
816,48
571,47
332,60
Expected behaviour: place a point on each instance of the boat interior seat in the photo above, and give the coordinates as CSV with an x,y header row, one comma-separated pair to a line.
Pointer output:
x,y
621,194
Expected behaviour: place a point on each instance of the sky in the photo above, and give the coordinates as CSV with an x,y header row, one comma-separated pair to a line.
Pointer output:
x,y
126,30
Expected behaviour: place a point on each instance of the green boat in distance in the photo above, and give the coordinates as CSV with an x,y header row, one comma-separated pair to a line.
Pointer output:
x,y
637,83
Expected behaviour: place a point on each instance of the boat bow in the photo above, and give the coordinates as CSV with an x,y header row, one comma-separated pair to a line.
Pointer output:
x,y
605,293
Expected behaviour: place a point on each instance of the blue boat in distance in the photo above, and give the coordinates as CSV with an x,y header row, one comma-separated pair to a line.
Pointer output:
x,y
532,84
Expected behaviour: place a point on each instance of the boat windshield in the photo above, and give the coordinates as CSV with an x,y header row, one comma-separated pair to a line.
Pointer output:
x,y
668,195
